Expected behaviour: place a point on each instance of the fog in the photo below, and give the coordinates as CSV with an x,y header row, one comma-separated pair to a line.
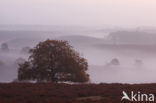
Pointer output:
x,y
114,55
121,13
117,37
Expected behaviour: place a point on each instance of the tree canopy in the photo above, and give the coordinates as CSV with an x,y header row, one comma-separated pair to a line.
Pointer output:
x,y
54,60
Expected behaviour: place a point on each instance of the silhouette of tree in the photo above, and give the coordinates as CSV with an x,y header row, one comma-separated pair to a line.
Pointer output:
x,y
1,63
115,61
25,50
54,61
4,47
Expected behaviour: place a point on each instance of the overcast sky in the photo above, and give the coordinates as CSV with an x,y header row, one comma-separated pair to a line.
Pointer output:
x,y
125,13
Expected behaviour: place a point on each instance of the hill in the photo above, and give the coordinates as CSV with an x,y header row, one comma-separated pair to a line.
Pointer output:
x,y
132,37
78,40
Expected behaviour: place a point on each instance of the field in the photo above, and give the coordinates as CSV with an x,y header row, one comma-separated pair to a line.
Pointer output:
x,y
67,93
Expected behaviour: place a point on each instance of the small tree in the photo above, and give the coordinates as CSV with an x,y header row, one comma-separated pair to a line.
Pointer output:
x,y
25,50
4,47
115,61
1,63
54,61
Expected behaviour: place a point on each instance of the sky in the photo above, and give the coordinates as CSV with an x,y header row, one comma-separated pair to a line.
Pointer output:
x,y
124,13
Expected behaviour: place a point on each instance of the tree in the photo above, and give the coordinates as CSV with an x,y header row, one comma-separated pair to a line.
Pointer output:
x,y
25,49
4,47
1,63
138,62
54,61
115,61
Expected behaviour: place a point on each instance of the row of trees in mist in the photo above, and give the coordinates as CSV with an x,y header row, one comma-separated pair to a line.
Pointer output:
x,y
5,48
116,62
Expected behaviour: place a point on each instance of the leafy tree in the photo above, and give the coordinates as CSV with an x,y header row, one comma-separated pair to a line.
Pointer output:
x,y
54,61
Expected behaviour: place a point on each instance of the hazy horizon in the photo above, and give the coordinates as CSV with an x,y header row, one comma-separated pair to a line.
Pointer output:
x,y
120,13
